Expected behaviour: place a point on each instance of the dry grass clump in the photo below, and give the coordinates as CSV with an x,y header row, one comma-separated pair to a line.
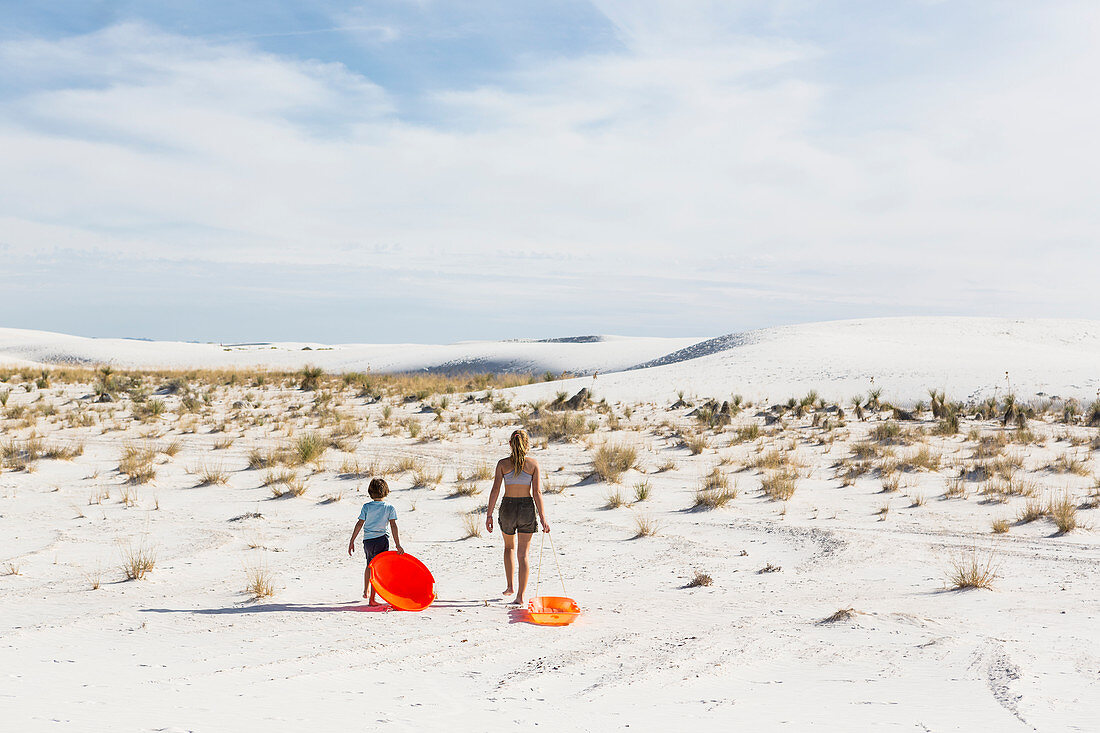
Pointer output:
x,y
924,458
137,463
63,452
615,499
843,614
466,488
285,483
307,449
956,489
990,446
772,460
917,500
645,525
695,443
888,432
700,580
425,478
779,485
1033,509
667,465
471,523
715,498
567,426
480,472
971,570
1068,463
641,491
403,464
612,461
1000,526
138,560
259,582
746,434
211,474
1063,510
171,449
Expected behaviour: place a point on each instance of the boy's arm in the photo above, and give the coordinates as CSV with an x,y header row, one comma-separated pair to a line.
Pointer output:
x,y
396,539
497,479
536,494
354,534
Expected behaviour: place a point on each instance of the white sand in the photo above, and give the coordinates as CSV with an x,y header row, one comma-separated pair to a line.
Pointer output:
x,y
184,649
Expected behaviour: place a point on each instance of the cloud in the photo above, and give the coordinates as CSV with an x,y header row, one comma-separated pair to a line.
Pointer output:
x,y
705,160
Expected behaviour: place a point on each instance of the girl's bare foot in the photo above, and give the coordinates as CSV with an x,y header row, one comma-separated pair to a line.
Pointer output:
x,y
518,601
508,591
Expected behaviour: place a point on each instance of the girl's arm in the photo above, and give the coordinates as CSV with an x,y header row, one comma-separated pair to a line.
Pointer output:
x,y
354,534
497,479
536,494
396,539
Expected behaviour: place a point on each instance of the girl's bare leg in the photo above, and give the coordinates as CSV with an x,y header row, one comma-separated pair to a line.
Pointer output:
x,y
509,561
524,570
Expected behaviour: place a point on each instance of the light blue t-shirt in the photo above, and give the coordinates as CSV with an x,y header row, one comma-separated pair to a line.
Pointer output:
x,y
376,516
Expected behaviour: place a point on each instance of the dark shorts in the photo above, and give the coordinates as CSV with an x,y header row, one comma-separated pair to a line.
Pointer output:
x,y
517,514
375,546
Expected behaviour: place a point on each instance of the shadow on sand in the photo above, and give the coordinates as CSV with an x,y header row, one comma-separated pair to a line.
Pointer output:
x,y
354,606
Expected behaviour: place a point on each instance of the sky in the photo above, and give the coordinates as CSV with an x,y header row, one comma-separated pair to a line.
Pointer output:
x,y
430,171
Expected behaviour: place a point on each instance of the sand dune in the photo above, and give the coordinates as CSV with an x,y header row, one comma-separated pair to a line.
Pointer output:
x,y
967,357
582,355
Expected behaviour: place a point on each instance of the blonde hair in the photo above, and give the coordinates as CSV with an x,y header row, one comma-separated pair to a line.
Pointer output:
x,y
520,445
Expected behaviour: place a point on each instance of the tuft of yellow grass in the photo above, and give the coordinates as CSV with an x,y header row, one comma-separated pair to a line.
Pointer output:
x,y
779,485
972,570
1063,510
1000,526
700,580
471,524
612,461
645,525
137,560
259,582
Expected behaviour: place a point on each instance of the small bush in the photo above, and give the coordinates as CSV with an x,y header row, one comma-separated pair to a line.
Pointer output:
x,y
696,443
779,485
310,377
615,499
972,571
471,523
641,491
1033,509
467,488
1000,526
138,560
212,474
645,526
612,461
259,582
700,580
424,478
308,448
1063,511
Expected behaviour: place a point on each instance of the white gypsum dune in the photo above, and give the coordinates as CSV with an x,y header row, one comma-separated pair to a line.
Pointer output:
x,y
969,358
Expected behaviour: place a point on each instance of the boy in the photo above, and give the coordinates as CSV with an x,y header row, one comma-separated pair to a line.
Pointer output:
x,y
372,520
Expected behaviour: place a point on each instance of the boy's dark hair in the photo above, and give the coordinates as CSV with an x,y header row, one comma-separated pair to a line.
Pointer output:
x,y
378,488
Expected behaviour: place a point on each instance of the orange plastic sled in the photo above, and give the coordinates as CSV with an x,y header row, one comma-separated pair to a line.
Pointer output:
x,y
403,581
551,610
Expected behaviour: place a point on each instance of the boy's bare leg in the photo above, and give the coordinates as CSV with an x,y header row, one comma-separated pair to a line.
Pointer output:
x,y
509,561
367,589
524,570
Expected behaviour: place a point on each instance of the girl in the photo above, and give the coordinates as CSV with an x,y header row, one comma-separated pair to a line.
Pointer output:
x,y
522,498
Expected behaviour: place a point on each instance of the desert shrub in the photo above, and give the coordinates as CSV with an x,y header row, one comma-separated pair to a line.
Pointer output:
x,y
1033,509
466,488
972,570
567,426
645,525
714,498
1000,526
700,580
259,582
615,499
424,477
310,377
612,461
211,474
696,443
307,448
779,485
1063,510
471,524
667,465
138,560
